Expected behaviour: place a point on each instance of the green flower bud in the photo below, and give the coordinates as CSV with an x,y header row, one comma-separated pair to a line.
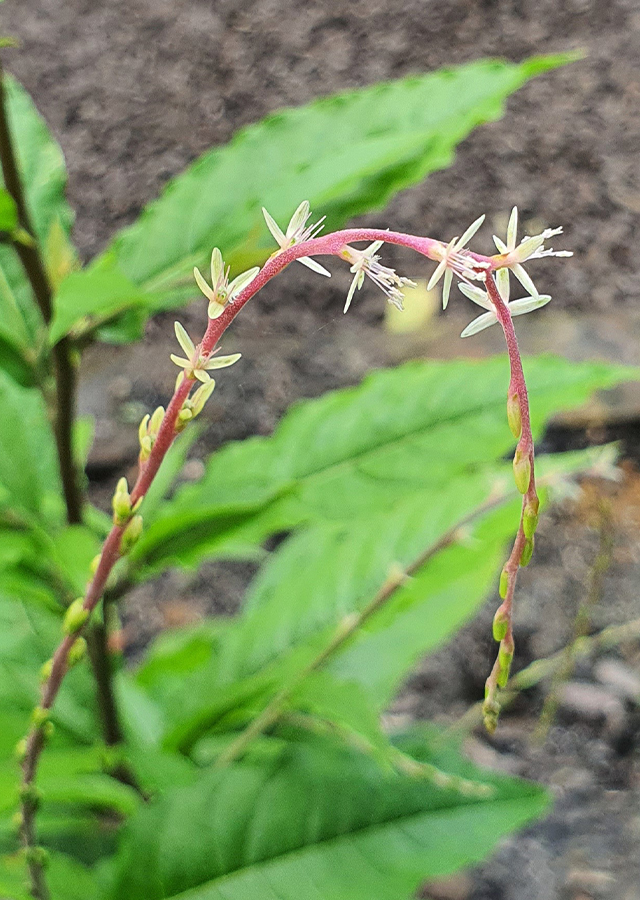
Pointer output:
x,y
131,534
39,716
95,562
17,821
48,730
527,552
30,795
77,652
514,415
20,750
121,503
156,421
530,518
45,671
490,714
522,470
500,625
37,856
201,396
75,617
505,658
503,586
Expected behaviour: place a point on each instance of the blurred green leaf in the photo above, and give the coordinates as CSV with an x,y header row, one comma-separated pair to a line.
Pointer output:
x,y
347,154
8,212
42,170
310,821
28,460
92,295
355,452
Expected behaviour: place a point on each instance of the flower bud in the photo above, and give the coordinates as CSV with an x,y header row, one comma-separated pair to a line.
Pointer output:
x,y
490,714
530,518
503,586
45,671
30,795
95,562
121,503
201,396
514,414
505,658
131,534
500,624
527,552
75,617
39,716
20,750
156,421
522,470
36,856
77,652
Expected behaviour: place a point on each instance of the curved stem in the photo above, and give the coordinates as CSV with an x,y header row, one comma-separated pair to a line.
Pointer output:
x,y
332,244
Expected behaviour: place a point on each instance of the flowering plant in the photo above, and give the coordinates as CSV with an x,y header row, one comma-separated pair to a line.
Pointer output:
x,y
247,757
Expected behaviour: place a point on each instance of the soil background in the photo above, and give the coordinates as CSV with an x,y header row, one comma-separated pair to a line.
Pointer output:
x,y
136,89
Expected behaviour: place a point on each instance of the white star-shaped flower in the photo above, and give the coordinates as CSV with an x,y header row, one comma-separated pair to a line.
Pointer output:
x,y
221,291
297,233
196,366
454,259
528,248
365,262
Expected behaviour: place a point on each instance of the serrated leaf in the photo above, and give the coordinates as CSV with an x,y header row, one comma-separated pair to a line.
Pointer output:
x,y
346,154
312,821
357,451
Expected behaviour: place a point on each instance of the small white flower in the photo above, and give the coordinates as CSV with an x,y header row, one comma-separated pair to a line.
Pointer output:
x,y
221,291
528,248
516,307
195,365
365,262
455,259
297,233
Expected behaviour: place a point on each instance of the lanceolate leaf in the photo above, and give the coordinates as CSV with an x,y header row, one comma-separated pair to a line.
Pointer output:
x,y
354,452
314,822
346,154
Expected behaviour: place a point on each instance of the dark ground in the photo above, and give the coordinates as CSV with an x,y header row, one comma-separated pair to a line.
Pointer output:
x,y
135,89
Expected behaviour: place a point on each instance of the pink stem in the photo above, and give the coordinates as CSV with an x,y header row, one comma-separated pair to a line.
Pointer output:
x,y
331,244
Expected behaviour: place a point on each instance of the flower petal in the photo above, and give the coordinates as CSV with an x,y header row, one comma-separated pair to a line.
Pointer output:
x,y
201,375
183,363
240,282
446,287
479,324
502,283
313,265
525,280
217,267
500,244
437,275
274,228
469,233
202,284
297,220
352,289
221,362
184,340
478,296
512,228
528,304
215,309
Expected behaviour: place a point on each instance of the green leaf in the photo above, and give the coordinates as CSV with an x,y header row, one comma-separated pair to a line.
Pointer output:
x,y
92,295
314,821
8,212
28,460
42,170
357,451
347,154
